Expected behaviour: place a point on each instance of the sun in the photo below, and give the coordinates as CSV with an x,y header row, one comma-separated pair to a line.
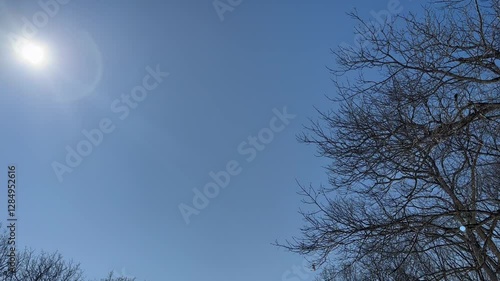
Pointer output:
x,y
33,53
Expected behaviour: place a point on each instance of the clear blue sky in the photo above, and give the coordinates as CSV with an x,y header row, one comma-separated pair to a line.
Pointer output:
x,y
119,208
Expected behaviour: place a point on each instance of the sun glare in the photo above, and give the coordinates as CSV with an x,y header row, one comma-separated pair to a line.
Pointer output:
x,y
33,53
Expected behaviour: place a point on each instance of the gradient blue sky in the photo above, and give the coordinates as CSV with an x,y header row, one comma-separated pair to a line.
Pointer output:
x,y
119,208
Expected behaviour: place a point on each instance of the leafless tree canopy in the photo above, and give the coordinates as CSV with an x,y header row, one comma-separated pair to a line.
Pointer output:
x,y
415,154
37,267
42,267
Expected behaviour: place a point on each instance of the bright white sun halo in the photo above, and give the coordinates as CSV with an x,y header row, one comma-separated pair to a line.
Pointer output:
x,y
33,53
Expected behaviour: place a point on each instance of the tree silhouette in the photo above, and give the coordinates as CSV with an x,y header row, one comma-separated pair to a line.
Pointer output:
x,y
42,267
415,155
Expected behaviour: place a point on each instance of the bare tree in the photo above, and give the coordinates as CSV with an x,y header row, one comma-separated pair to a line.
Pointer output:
x,y
415,155
31,266
40,267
